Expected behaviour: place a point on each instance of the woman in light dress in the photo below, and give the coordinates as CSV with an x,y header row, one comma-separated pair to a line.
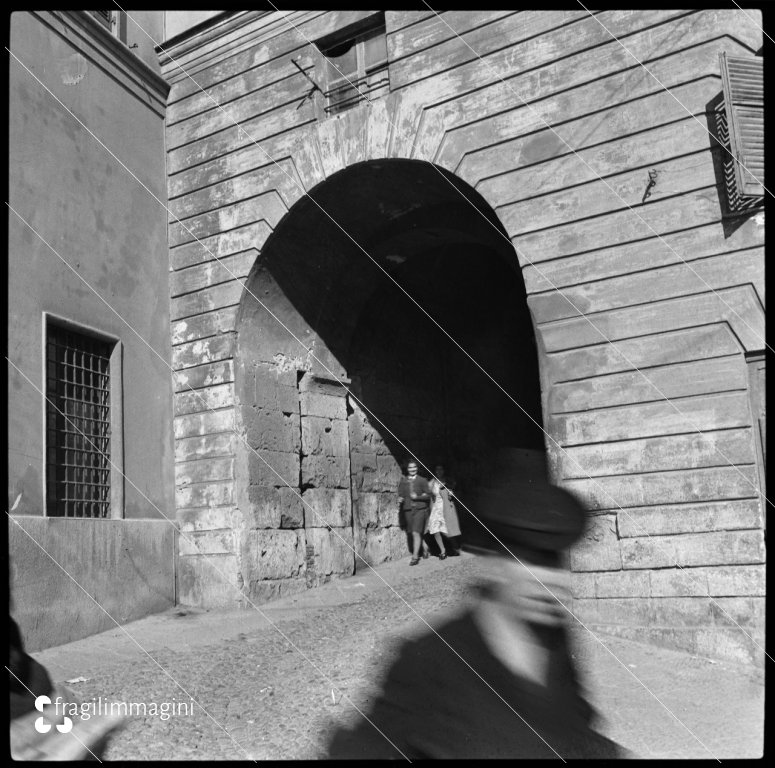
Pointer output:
x,y
443,518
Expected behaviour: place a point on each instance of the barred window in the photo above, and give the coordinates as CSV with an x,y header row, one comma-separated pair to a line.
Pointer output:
x,y
356,68
78,420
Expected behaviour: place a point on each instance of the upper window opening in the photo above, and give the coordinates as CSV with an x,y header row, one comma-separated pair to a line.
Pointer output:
x,y
115,21
356,69
106,17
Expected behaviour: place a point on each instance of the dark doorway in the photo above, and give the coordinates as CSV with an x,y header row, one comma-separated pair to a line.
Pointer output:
x,y
429,238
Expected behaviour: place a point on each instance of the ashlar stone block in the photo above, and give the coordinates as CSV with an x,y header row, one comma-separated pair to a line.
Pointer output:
x,y
717,548
263,507
328,406
209,581
598,548
622,584
364,437
377,510
326,471
324,436
327,507
380,545
272,430
292,513
364,471
272,554
388,473
275,390
274,468
332,553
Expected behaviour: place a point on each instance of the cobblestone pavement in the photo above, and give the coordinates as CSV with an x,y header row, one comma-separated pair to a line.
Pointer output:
x,y
261,699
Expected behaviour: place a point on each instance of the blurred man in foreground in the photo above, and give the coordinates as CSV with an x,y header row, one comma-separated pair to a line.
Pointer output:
x,y
507,689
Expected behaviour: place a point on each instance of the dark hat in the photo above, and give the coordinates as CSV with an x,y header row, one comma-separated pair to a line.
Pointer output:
x,y
527,512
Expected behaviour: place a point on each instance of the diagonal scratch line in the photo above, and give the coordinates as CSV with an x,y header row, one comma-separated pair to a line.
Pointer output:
x,y
83,589
193,544
355,398
306,504
649,72
21,682
755,23
208,250
390,277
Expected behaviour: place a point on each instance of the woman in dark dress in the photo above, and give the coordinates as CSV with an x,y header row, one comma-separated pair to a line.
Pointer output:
x,y
414,498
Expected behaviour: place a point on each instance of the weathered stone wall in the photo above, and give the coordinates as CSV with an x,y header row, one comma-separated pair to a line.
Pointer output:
x,y
670,289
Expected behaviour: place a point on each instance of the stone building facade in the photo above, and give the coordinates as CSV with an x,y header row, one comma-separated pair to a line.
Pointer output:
x,y
518,190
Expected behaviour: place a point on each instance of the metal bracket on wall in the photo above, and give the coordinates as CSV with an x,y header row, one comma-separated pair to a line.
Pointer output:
x,y
652,182
315,86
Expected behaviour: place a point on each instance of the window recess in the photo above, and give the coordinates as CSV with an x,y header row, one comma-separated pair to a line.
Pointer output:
x,y
355,68
83,444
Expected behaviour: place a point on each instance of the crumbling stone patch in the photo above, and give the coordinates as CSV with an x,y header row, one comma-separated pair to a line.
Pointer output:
x,y
382,544
388,473
326,471
364,437
364,470
332,505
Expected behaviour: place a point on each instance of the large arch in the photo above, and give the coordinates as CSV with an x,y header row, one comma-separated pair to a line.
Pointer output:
x,y
328,309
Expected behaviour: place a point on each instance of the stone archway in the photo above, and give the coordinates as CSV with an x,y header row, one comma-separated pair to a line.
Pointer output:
x,y
339,375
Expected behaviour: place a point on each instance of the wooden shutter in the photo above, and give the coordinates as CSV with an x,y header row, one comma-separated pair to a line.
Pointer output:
x,y
743,81
106,17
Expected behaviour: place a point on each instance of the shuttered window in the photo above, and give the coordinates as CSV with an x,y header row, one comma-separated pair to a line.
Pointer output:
x,y
743,82
106,17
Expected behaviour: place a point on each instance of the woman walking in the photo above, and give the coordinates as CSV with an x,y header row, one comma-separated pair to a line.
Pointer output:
x,y
450,513
437,524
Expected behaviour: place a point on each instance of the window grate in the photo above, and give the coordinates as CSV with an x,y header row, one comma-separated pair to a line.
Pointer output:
x,y
77,424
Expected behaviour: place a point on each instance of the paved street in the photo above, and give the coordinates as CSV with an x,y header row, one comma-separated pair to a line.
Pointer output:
x,y
263,700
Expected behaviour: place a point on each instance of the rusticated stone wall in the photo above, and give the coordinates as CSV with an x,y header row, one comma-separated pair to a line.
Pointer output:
x,y
632,299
